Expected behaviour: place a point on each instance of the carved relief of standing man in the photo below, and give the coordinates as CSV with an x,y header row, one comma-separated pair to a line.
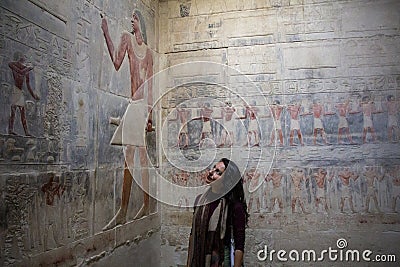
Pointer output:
x,y
20,72
294,111
276,110
393,108
298,179
343,127
276,193
140,59
228,124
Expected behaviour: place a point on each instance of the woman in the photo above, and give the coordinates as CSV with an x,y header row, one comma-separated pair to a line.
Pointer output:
x,y
220,213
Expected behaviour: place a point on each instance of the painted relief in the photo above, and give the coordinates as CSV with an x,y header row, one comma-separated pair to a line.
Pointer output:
x,y
253,132
228,121
276,110
320,189
305,121
206,119
276,193
393,109
294,110
298,188
44,212
182,117
21,73
133,46
32,92
253,178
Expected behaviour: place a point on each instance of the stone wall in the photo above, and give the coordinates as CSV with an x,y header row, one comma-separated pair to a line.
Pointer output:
x,y
331,65
60,178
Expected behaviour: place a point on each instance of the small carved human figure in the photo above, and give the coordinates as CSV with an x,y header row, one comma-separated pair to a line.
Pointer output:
x,y
393,108
51,189
294,112
298,179
228,132
182,116
253,127
346,175
12,151
367,108
321,178
181,179
318,113
206,118
253,178
394,174
343,126
20,71
372,177
276,194
276,110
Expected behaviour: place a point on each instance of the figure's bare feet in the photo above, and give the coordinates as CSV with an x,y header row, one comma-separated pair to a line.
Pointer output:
x,y
118,219
144,210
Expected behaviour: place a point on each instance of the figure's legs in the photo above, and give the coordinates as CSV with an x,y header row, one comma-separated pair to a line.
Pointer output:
x,y
394,204
223,138
186,140
231,138
120,216
326,205
376,203
280,204
390,130
364,136
316,203
323,134
145,209
291,137
300,136
248,139
302,206
272,138
367,199
342,204
11,120
256,139
351,204
258,205
339,135
23,120
281,137
294,205
315,136
272,205
373,133
349,135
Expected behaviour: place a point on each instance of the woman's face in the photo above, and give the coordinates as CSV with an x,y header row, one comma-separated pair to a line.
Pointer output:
x,y
215,174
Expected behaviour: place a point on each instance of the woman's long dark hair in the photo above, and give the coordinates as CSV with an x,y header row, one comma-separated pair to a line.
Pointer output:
x,y
236,194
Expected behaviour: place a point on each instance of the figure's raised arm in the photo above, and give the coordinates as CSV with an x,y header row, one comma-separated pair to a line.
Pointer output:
x,y
22,71
116,56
